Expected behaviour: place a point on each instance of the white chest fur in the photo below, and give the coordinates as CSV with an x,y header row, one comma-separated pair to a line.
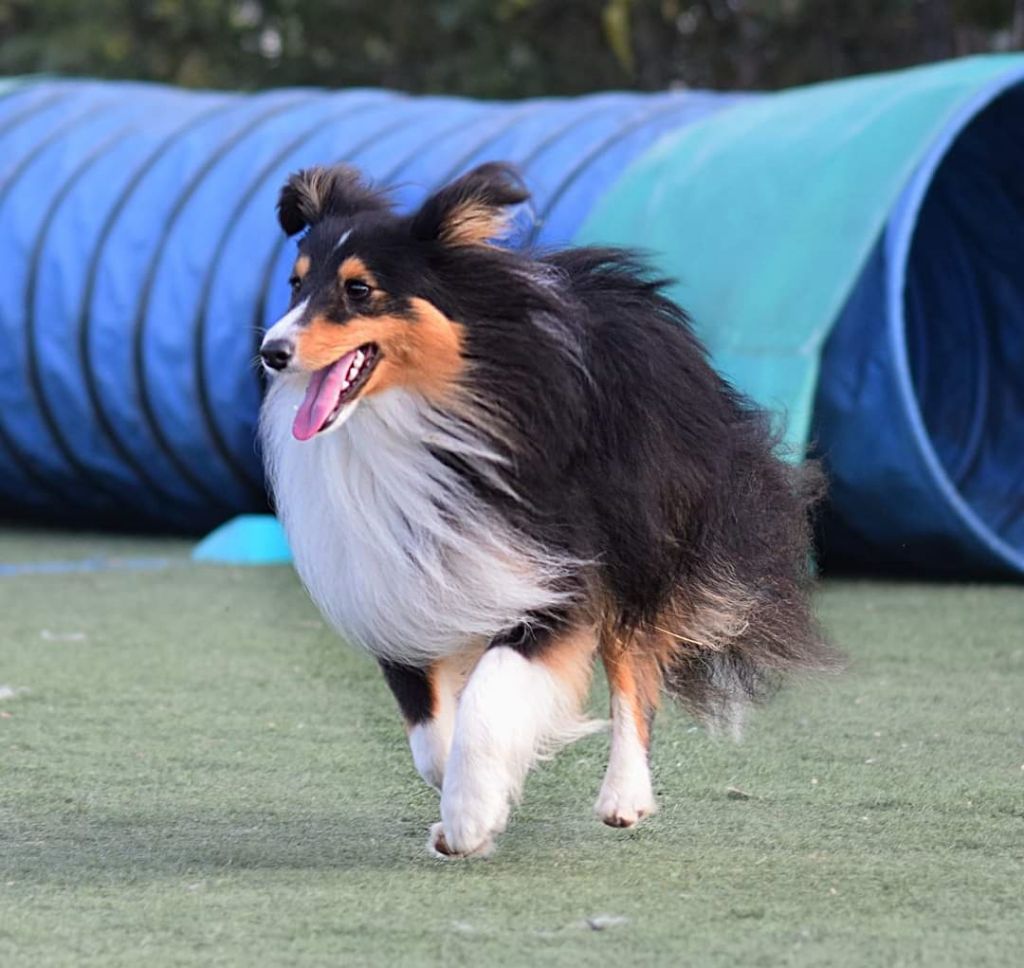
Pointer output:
x,y
393,547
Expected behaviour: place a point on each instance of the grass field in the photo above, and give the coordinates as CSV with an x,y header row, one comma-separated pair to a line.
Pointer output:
x,y
193,770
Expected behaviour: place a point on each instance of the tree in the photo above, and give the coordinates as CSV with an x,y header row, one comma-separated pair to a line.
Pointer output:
x,y
495,48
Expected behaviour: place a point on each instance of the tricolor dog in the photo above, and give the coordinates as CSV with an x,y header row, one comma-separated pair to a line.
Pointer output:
x,y
496,467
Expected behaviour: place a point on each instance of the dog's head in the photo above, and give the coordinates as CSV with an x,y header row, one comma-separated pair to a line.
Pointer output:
x,y
378,299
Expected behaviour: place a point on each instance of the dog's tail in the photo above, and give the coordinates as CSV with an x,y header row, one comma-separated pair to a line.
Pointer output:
x,y
768,639
718,687
737,637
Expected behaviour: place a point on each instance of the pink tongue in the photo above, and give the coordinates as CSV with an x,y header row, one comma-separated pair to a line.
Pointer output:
x,y
321,398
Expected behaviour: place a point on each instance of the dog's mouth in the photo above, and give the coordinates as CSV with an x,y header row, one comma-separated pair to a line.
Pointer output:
x,y
333,389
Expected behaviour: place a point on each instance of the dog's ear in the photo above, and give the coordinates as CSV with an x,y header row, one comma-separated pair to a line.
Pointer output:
x,y
474,209
314,193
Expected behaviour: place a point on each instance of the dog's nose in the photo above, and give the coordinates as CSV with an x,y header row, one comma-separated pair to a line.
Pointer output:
x,y
277,353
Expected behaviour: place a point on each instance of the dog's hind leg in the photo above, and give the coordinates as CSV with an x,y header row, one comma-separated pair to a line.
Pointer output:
x,y
522,700
634,682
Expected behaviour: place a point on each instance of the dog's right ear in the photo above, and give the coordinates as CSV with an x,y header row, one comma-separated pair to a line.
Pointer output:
x,y
314,193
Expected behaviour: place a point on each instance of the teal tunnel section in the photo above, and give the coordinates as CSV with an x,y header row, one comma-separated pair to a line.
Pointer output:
x,y
142,257
853,254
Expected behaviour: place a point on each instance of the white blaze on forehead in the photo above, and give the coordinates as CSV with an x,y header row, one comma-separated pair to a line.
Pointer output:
x,y
342,239
285,326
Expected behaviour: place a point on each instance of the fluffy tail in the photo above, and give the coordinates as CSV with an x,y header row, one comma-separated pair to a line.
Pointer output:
x,y
740,632
718,688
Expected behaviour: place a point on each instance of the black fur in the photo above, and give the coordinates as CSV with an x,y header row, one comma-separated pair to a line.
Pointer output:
x,y
411,689
626,449
314,194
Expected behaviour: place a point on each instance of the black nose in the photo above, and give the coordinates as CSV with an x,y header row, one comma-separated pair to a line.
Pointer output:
x,y
277,353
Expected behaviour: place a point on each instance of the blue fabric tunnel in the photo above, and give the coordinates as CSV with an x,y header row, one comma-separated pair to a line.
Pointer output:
x,y
142,257
853,254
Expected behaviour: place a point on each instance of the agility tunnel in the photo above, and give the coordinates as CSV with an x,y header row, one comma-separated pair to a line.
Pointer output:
x,y
851,252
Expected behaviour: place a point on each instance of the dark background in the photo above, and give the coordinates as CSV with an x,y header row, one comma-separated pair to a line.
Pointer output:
x,y
496,48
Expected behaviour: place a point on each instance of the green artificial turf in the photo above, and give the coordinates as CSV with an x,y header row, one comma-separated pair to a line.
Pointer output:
x,y
193,770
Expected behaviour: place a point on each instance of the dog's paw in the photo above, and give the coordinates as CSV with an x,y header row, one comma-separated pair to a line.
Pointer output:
x,y
625,806
437,844
474,810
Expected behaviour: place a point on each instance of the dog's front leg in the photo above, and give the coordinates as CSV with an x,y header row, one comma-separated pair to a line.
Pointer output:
x,y
522,699
426,698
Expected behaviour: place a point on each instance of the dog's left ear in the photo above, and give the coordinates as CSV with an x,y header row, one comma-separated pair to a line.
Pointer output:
x,y
314,193
474,209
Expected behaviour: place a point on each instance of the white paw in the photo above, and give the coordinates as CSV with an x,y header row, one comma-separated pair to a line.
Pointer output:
x,y
623,804
437,844
474,810
471,823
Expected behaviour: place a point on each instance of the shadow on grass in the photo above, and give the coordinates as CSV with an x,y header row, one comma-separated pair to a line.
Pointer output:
x,y
131,847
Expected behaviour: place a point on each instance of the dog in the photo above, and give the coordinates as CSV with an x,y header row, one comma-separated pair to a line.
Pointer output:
x,y
494,466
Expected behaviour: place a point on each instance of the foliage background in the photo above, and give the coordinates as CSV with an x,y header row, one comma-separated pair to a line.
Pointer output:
x,y
496,48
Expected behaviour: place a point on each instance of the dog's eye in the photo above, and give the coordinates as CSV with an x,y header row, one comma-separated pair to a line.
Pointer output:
x,y
295,282
356,290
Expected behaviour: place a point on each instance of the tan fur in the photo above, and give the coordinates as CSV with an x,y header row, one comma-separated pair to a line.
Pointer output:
x,y
474,223
635,662
570,658
711,619
354,268
316,184
446,679
448,676
633,666
301,267
422,352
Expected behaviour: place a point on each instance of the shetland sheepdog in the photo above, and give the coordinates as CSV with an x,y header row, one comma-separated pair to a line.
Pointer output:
x,y
495,466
